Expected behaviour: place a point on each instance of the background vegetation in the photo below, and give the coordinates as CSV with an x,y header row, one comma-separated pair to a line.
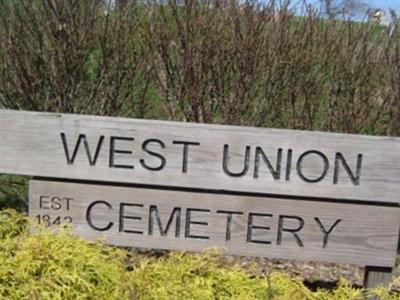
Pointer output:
x,y
201,61
254,63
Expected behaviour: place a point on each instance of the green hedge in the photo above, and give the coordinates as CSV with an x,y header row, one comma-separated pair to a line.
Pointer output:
x,y
48,265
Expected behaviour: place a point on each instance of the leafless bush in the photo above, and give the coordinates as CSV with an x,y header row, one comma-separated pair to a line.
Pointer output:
x,y
258,65
202,61
71,56
198,60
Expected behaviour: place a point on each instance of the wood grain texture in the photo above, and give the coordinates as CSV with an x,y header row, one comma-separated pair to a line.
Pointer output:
x,y
365,235
152,153
376,276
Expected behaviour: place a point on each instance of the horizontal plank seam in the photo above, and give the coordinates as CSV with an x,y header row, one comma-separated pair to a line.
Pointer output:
x,y
219,192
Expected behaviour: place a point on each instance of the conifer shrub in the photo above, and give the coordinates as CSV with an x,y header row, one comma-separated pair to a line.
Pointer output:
x,y
46,265
37,263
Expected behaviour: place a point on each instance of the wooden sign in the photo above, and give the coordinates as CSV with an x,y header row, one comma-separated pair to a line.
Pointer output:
x,y
244,225
212,157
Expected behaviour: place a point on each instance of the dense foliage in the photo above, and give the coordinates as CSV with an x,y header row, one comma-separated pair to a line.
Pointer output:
x,y
48,265
254,63
212,61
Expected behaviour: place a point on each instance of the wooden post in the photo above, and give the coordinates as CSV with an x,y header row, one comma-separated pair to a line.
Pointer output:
x,y
375,276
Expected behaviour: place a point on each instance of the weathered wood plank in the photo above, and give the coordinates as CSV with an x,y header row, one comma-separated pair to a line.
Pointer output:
x,y
243,225
375,276
268,161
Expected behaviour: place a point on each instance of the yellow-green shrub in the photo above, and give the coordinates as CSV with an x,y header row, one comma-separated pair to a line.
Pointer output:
x,y
48,265
55,266
184,276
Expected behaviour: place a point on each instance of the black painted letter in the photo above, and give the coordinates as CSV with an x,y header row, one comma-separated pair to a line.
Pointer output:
x,y
114,151
162,158
176,214
89,215
288,164
229,215
188,222
300,161
185,152
276,173
250,227
339,158
82,137
324,231
291,230
122,217
226,159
